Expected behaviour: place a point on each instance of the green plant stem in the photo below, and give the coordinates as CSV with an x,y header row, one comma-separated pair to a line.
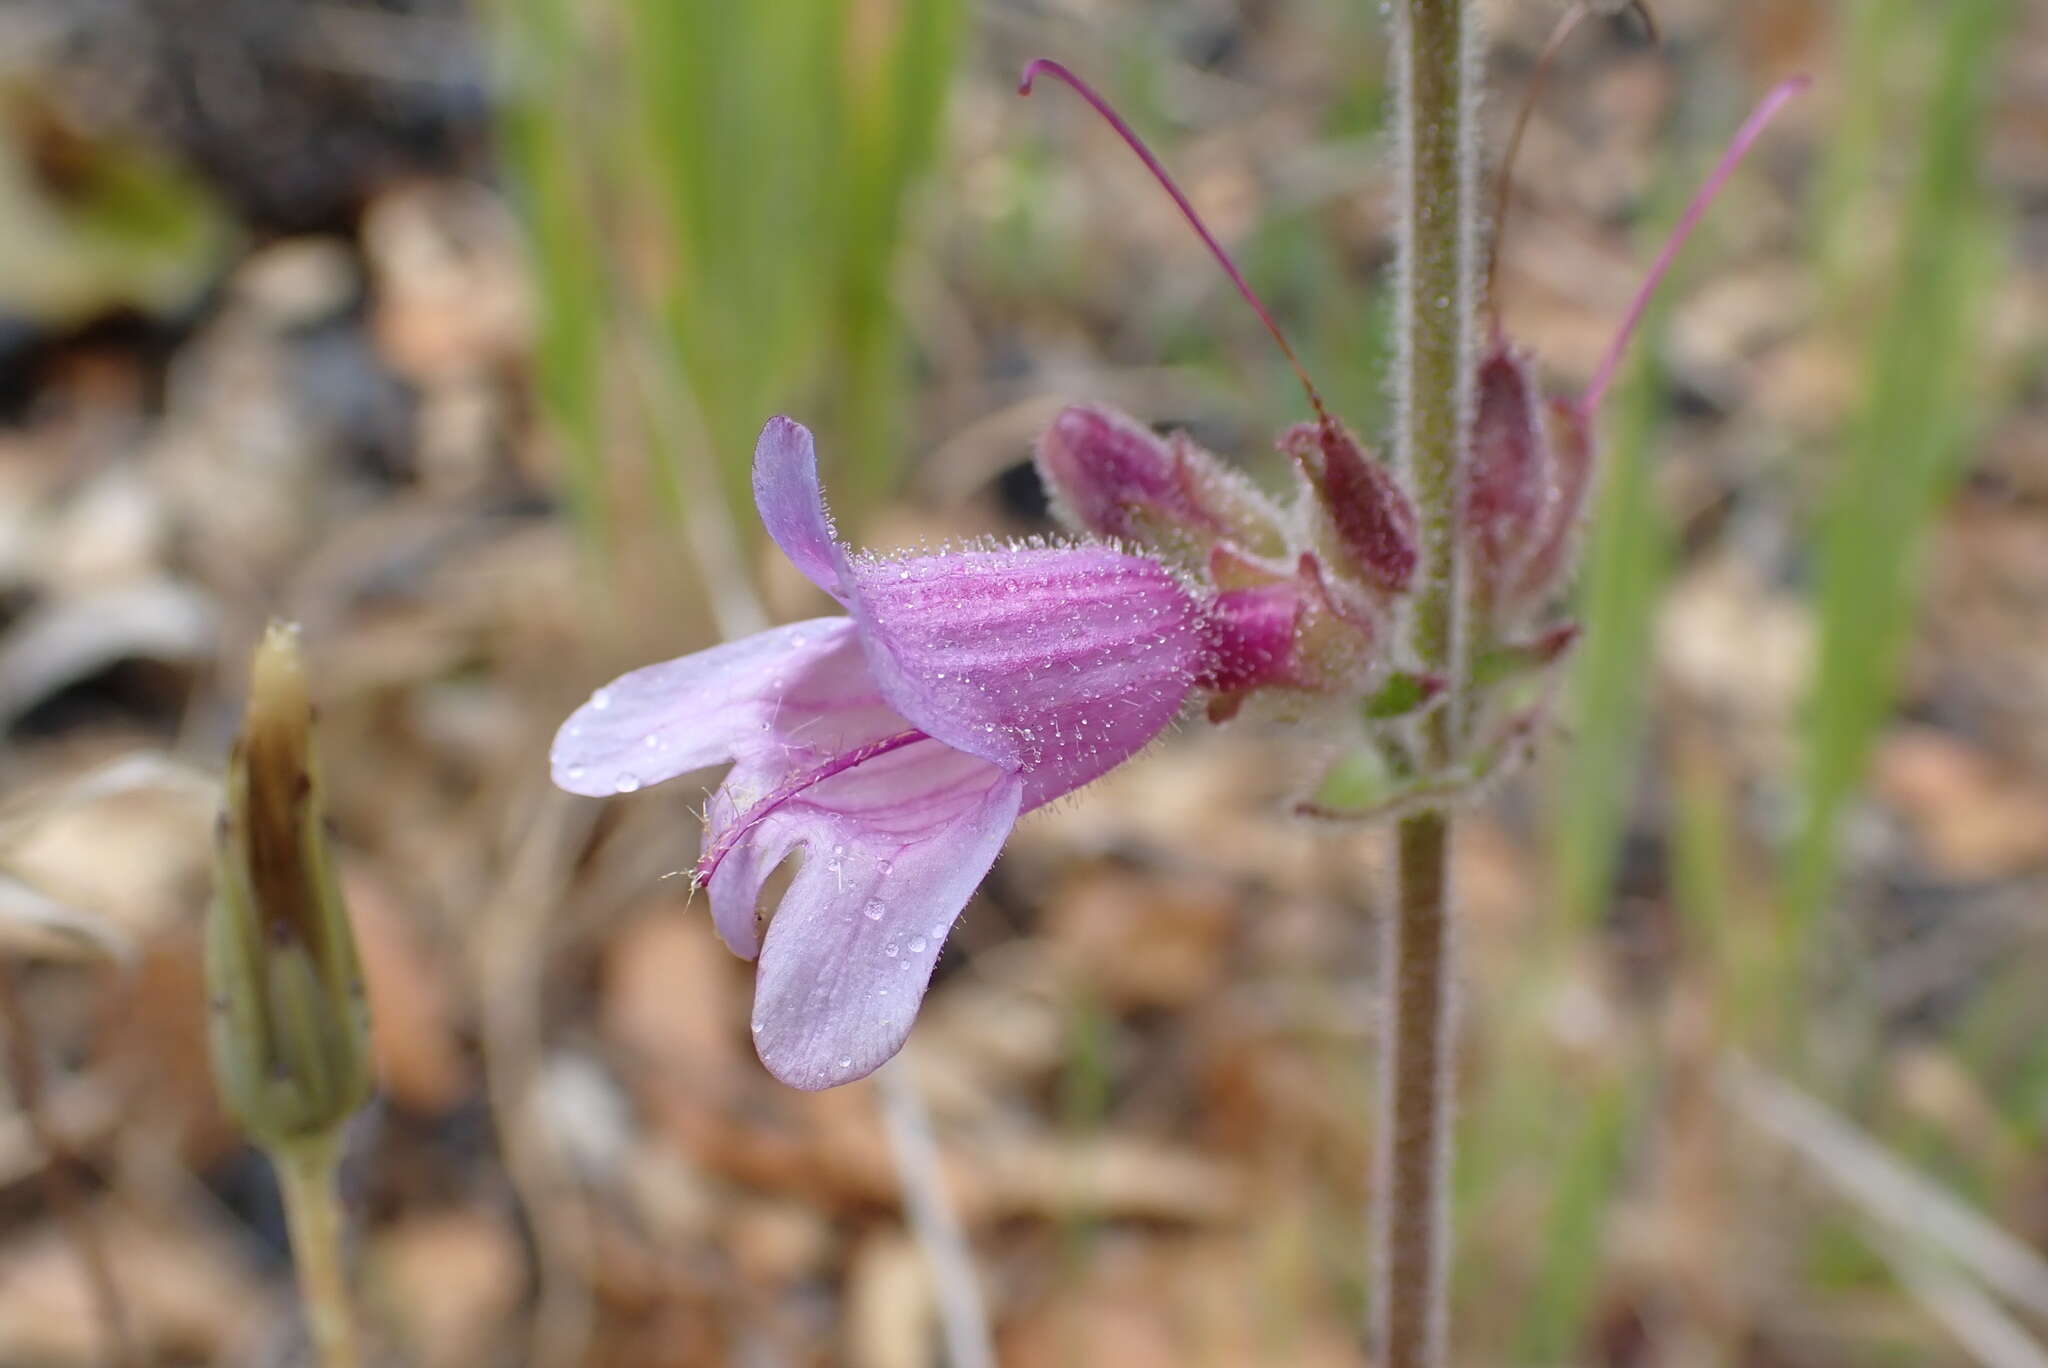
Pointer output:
x,y
306,1172
1433,68
1411,1230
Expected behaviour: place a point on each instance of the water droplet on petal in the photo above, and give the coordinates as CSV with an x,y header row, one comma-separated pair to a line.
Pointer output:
x,y
846,1062
601,700
883,866
576,772
874,910
917,944
627,782
760,1026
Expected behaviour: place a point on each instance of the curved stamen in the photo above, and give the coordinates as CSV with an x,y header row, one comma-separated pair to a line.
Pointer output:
x,y
1059,72
1738,147
1503,182
1504,178
729,839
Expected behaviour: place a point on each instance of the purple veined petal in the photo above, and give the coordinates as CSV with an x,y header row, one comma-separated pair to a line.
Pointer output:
x,y
1058,662
817,755
791,501
891,851
704,709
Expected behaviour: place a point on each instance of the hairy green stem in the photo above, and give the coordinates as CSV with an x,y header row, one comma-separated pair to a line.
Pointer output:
x,y
1434,71
1410,1225
306,1173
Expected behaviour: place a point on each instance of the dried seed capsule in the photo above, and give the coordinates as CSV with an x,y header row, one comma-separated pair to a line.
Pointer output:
x,y
290,1031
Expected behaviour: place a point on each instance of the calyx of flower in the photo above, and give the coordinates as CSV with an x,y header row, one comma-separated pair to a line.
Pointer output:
x,y
1370,520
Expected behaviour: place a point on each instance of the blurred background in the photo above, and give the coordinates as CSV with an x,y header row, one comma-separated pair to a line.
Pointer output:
x,y
445,330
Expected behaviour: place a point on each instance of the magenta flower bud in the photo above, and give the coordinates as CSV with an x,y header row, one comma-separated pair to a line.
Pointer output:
x,y
1526,485
1371,519
892,749
1510,484
1113,477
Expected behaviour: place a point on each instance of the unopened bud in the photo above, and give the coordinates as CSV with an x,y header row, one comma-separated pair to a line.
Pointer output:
x,y
290,1031
1509,488
1526,483
1113,477
1360,501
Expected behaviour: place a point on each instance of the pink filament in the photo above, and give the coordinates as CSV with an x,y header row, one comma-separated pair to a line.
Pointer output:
x,y
1738,147
708,863
1080,87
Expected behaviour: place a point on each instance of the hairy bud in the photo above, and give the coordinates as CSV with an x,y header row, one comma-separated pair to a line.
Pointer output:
x,y
1371,520
1111,476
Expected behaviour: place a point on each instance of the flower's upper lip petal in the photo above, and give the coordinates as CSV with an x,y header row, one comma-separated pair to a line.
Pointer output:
x,y
892,852
1060,662
792,502
703,709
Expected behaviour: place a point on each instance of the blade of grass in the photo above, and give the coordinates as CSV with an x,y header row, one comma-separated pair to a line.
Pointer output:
x,y
540,68
1560,1305
897,74
1872,32
1885,1188
1901,460
1627,560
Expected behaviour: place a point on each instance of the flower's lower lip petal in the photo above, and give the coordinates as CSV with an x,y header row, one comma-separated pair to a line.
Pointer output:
x,y
852,948
703,709
791,502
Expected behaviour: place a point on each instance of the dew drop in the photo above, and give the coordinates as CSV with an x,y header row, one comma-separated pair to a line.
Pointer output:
x,y
883,866
760,1026
890,949
601,700
917,944
846,1062
627,782
575,772
652,741
874,910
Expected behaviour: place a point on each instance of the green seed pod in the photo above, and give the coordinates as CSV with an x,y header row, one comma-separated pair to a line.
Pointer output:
x,y
290,1030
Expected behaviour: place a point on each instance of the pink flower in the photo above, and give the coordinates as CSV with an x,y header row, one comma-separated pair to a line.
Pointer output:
x,y
894,748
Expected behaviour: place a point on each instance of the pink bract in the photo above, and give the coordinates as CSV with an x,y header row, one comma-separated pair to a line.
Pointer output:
x,y
892,749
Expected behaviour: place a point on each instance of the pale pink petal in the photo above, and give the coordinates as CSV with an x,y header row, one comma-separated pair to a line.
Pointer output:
x,y
891,851
704,709
1059,662
792,502
814,748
